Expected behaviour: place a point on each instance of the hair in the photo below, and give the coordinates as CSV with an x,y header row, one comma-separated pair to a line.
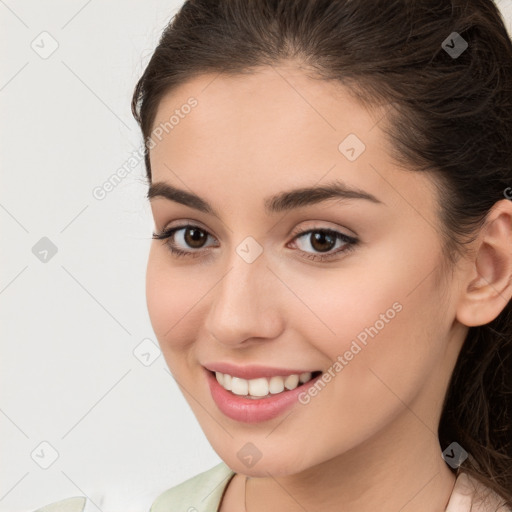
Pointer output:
x,y
449,115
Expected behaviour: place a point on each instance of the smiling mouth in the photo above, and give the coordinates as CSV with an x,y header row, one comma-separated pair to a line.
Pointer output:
x,y
263,387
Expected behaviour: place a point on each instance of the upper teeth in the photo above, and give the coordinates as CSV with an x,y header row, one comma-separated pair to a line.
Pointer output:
x,y
262,386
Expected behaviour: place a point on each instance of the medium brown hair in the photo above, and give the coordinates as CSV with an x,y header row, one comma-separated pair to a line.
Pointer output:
x,y
450,115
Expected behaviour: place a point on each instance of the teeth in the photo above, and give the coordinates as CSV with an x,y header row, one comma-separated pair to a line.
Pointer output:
x,y
226,381
304,377
276,385
258,387
239,386
261,387
291,382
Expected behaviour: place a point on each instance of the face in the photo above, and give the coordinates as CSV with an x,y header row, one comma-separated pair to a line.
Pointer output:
x,y
348,285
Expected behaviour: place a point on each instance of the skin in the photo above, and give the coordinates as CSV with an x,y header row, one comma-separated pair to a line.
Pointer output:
x,y
368,441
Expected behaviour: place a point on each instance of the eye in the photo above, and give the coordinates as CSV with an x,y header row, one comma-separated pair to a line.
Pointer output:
x,y
191,236
323,240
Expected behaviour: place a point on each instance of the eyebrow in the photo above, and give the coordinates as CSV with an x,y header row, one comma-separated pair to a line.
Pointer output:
x,y
284,201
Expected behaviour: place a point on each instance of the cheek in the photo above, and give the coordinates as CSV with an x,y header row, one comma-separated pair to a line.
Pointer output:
x,y
387,315
159,299
378,363
400,359
170,299
349,304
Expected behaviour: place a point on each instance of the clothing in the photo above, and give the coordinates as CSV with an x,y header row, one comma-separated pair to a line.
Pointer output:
x,y
203,493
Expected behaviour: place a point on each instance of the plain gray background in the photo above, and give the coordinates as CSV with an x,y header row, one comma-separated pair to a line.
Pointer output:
x,y
87,405
69,377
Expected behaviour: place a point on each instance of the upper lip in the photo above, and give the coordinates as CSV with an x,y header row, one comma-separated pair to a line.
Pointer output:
x,y
253,371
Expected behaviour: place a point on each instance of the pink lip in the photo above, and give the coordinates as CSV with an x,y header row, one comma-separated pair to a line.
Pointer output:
x,y
248,410
252,371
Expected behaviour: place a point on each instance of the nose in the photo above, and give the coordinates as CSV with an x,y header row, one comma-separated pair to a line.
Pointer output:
x,y
245,304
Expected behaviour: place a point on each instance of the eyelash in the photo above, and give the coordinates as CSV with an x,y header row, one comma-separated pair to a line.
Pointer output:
x,y
350,242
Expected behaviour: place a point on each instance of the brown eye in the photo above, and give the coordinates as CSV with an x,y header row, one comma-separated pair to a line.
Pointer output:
x,y
324,241
185,240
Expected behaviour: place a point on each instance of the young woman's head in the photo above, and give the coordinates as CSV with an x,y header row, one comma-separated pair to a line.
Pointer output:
x,y
329,184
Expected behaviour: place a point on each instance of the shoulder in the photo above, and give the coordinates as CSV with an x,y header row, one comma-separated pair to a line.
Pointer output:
x,y
469,495
201,493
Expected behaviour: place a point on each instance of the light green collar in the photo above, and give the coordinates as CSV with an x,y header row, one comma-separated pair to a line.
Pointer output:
x,y
201,493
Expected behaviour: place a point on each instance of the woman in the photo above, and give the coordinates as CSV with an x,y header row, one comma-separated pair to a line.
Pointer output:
x,y
330,275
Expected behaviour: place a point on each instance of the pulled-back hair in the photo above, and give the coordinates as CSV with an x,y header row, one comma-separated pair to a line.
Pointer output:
x,y
448,114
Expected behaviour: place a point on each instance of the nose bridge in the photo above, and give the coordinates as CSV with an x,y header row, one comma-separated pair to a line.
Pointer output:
x,y
243,305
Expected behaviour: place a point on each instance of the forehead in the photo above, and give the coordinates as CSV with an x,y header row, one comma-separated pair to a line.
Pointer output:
x,y
272,101
274,128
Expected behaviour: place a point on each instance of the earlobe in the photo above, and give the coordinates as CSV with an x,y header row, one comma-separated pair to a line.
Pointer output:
x,y
488,287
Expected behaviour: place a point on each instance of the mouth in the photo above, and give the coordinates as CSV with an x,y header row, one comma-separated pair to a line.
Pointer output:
x,y
265,394
263,387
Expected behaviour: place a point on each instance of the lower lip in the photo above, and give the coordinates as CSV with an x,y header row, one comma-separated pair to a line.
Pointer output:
x,y
249,410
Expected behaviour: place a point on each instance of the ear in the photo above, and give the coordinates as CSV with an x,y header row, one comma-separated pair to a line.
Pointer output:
x,y
487,288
